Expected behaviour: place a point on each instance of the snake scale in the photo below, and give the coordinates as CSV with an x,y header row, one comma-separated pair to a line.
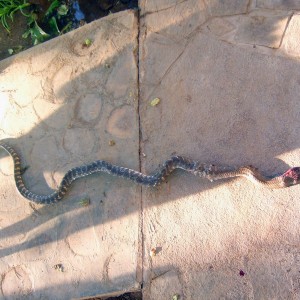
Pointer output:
x,y
208,171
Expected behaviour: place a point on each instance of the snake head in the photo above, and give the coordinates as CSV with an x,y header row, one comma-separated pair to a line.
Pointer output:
x,y
291,176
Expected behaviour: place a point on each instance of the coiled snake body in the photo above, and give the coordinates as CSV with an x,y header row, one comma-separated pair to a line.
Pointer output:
x,y
208,171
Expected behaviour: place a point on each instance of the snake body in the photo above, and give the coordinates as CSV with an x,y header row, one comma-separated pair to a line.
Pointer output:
x,y
208,171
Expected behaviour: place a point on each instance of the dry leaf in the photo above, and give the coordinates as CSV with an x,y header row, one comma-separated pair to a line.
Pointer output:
x,y
153,252
155,101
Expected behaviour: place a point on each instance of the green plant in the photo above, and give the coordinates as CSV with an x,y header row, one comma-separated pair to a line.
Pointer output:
x,y
8,8
40,27
51,21
38,35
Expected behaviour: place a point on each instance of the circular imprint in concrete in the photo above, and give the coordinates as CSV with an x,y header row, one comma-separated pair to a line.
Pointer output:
x,y
88,108
16,283
121,122
79,141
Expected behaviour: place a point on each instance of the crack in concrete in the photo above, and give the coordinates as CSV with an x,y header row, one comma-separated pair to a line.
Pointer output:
x,y
229,15
285,29
245,43
189,38
160,274
106,268
249,5
140,259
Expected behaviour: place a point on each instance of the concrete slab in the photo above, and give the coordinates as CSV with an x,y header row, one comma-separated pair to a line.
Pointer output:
x,y
278,4
62,103
222,100
166,20
226,7
291,44
223,103
262,27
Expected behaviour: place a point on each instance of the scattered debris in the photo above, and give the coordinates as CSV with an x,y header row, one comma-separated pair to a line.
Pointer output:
x,y
59,267
111,143
34,209
155,101
85,201
160,274
87,43
153,252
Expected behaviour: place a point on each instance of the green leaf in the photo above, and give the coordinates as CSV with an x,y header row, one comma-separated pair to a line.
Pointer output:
x,y
85,201
88,42
155,101
8,8
4,23
15,49
26,34
62,10
37,34
53,25
52,7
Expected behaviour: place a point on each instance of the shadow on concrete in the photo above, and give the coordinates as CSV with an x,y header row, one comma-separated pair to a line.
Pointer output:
x,y
213,278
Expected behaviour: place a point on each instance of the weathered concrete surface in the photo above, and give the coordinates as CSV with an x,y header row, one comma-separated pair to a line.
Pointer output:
x,y
226,101
259,27
262,27
278,4
291,42
226,7
61,105
227,74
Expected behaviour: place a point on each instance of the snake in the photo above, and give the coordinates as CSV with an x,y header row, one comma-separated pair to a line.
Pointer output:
x,y
203,170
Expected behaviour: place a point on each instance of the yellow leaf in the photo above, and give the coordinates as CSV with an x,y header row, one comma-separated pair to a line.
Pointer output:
x,y
155,101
